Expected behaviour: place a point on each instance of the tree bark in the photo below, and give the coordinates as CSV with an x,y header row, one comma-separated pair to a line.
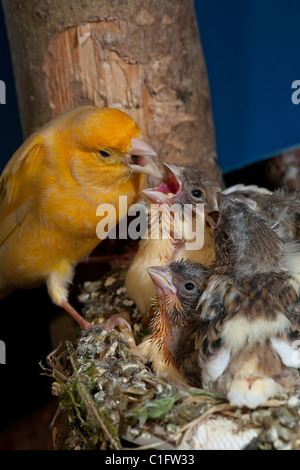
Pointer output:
x,y
142,56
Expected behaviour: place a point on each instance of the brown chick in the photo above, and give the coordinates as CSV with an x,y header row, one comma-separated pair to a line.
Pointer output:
x,y
182,185
281,211
250,311
178,288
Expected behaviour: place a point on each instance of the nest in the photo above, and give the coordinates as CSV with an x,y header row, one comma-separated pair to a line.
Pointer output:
x,y
114,401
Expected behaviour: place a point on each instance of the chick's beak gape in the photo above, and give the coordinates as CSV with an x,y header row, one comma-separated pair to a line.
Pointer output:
x,y
169,189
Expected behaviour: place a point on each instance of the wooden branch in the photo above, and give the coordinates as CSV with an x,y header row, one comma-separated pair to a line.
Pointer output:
x,y
142,56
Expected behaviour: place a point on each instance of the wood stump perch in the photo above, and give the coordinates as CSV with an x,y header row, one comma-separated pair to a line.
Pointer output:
x,y
142,56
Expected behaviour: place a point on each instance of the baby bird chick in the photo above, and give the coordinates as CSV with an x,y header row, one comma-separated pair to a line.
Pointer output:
x,y
250,311
178,288
182,185
281,210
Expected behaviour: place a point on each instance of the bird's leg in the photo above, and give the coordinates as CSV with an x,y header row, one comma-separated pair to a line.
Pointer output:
x,y
57,282
84,324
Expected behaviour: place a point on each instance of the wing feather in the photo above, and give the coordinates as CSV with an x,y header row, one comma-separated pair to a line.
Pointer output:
x,y
16,184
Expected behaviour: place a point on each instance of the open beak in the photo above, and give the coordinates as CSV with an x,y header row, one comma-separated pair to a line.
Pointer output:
x,y
169,189
141,158
162,278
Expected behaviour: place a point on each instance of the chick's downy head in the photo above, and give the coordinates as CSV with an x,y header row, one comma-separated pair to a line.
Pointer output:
x,y
178,288
282,212
185,185
244,239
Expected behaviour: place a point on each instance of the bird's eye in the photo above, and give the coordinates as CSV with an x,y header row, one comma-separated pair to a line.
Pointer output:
x,y
105,153
197,193
189,286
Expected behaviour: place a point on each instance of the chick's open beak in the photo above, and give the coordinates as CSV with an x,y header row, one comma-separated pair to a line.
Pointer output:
x,y
169,189
141,158
162,278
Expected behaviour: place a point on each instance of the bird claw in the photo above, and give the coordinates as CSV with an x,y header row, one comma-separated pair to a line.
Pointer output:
x,y
122,320
119,319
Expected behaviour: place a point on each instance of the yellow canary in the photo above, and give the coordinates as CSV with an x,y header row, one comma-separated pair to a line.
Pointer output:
x,y
50,190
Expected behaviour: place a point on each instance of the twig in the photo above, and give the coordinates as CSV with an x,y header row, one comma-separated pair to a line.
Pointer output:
x,y
57,413
54,434
93,408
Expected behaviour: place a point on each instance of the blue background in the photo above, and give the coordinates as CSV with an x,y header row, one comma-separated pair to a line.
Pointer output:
x,y
252,54
252,51
10,127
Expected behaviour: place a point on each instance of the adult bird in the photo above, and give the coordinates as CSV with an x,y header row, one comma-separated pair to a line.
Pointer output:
x,y
50,190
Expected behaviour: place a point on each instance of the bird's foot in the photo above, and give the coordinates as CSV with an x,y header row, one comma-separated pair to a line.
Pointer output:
x,y
122,320
119,319
84,324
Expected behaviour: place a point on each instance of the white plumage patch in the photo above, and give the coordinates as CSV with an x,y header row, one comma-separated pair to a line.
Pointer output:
x,y
286,352
213,369
238,331
261,390
242,187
